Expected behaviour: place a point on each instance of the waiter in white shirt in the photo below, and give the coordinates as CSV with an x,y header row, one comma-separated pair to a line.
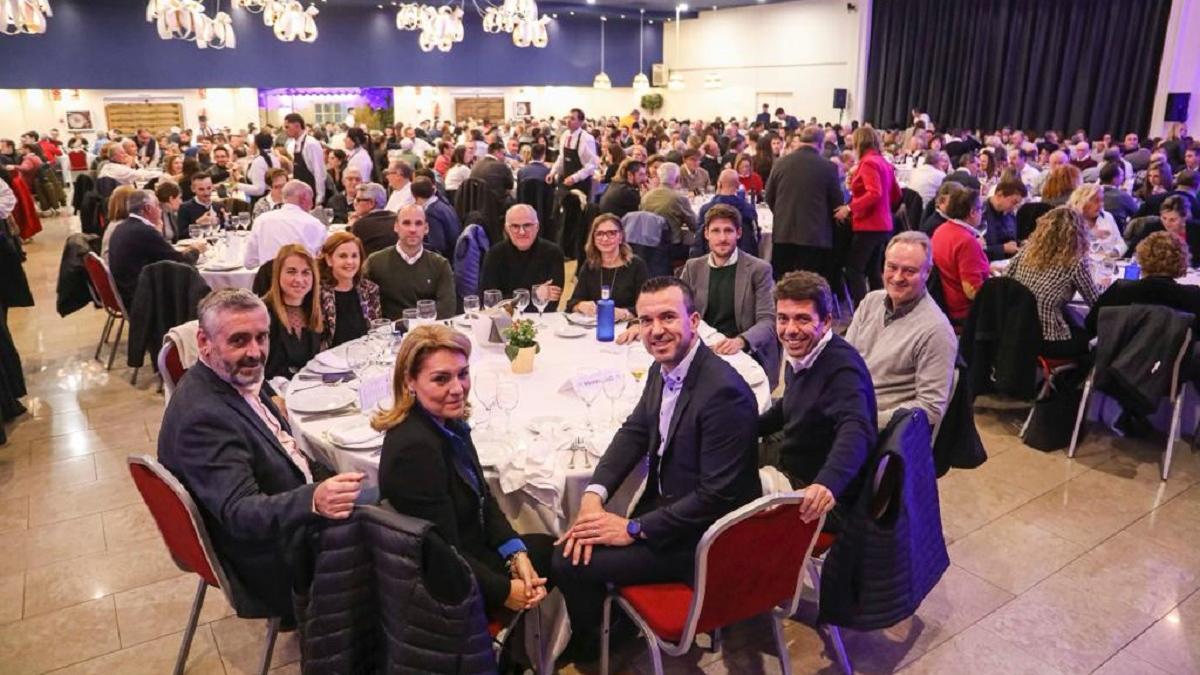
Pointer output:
x,y
577,159
289,224
308,155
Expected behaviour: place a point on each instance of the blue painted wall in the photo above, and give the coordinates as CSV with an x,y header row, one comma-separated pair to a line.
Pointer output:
x,y
107,44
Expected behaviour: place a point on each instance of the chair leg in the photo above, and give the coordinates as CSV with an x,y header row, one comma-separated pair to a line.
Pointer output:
x,y
655,653
272,632
104,336
1083,406
839,648
604,626
185,645
1025,424
112,355
781,648
1173,435
133,378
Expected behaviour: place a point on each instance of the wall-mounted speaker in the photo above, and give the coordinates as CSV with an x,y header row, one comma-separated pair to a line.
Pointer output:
x,y
839,99
1177,106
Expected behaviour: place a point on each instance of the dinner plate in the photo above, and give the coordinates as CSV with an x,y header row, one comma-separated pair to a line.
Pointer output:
x,y
322,369
371,444
221,267
581,319
570,331
321,399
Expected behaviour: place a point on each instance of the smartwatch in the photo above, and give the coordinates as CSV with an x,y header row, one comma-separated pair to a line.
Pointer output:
x,y
634,529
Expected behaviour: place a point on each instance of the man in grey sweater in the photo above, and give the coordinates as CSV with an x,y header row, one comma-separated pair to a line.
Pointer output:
x,y
903,336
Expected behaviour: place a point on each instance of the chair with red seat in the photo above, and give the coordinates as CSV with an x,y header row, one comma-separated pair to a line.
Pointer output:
x,y
186,537
78,160
105,290
170,366
501,628
729,585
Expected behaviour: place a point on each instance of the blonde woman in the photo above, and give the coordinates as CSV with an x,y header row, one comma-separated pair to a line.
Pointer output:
x,y
609,262
1060,183
1103,233
1054,266
296,321
429,469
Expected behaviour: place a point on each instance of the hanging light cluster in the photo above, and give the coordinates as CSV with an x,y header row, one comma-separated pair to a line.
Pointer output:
x,y
186,20
291,20
521,19
440,27
24,16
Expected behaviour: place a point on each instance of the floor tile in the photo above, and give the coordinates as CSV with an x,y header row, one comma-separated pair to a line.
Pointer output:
x,y
127,525
241,643
1125,663
1173,643
42,480
71,635
51,543
12,594
155,657
63,584
1175,524
970,501
80,443
157,609
1090,508
81,500
979,652
1013,554
14,514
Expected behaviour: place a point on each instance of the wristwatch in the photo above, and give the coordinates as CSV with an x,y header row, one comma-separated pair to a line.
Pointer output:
x,y
634,529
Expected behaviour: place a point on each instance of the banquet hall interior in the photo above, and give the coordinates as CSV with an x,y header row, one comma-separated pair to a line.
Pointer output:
x,y
1026,493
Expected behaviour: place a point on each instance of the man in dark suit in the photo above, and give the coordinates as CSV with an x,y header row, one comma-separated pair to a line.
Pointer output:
x,y
764,117
492,169
226,440
371,222
828,411
967,166
137,241
695,424
201,208
624,195
444,226
803,191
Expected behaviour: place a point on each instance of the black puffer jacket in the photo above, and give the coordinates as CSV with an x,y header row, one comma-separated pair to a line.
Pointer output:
x,y
74,291
882,565
1139,350
365,604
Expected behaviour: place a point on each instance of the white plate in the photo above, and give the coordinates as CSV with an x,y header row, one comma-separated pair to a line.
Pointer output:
x,y
321,399
581,319
221,267
322,369
372,444
570,331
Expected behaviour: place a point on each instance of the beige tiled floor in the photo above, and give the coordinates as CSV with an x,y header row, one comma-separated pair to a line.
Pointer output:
x,y
1058,566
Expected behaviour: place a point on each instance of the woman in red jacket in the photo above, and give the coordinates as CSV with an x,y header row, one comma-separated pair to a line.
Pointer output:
x,y
874,193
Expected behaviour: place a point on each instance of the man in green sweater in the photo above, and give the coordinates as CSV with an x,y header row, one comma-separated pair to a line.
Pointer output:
x,y
407,272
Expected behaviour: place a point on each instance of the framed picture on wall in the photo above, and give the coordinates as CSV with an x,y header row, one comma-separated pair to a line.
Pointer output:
x,y
522,109
79,120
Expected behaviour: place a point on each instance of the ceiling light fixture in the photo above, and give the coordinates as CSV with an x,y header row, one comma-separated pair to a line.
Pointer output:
x,y
675,81
640,81
24,16
601,81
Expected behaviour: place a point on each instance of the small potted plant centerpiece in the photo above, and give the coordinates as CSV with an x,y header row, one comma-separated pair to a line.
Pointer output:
x,y
521,345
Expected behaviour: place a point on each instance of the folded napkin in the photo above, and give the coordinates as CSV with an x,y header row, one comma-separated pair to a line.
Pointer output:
x,y
357,432
535,469
333,358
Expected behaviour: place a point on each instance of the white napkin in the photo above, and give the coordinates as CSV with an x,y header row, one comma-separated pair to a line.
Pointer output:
x,y
333,358
534,468
357,432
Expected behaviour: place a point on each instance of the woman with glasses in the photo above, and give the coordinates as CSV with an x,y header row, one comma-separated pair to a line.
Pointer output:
x,y
609,261
276,178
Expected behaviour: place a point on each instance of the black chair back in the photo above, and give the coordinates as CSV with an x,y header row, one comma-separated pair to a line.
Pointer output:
x,y
539,195
474,195
1027,217
106,186
262,279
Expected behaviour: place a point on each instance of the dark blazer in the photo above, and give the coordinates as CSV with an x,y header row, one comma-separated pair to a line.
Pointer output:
x,y
134,245
190,211
377,230
253,498
444,228
620,198
964,179
419,477
709,463
289,352
1001,228
803,191
1153,203
1148,291
496,174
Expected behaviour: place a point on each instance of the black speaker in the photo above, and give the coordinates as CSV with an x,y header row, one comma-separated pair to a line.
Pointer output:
x,y
839,99
1177,106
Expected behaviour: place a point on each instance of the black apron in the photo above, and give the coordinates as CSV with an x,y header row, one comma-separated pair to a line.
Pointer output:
x,y
572,164
573,230
300,170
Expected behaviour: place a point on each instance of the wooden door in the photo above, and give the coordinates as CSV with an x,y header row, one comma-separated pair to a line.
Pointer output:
x,y
480,108
157,117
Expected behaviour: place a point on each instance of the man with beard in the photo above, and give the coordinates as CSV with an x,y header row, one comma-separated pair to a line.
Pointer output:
x,y
827,413
224,437
702,465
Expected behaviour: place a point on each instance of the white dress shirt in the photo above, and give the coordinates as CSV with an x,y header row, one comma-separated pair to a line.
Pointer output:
x,y
362,161
805,362
125,175
455,176
257,174
314,159
587,154
288,224
410,259
400,198
925,181
712,260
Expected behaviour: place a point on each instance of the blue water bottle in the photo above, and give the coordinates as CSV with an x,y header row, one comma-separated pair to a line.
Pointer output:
x,y
605,316
741,193
1133,270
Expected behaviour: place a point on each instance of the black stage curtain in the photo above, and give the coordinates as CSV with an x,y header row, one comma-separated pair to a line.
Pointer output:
x,y
1033,64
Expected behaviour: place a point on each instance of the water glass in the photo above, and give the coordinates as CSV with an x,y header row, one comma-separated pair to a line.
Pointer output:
x,y
507,397
492,297
541,299
613,388
471,306
521,299
485,386
587,390
427,310
358,356
410,317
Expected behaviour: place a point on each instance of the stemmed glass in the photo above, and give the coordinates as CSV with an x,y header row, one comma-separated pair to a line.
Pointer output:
x,y
471,306
381,334
520,300
486,385
637,361
507,397
541,299
613,388
358,356
492,297
586,389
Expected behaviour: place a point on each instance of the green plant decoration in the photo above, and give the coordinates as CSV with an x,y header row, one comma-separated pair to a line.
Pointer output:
x,y
652,102
522,334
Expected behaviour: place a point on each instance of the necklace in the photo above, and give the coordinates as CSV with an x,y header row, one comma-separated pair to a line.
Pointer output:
x,y
616,270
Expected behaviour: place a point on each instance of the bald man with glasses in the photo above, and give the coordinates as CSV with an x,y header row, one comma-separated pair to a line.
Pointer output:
x,y
523,259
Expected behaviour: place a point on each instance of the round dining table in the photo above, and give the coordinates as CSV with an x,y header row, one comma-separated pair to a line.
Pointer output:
x,y
538,456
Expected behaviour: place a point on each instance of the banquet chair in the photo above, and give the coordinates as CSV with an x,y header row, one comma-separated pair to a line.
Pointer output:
x,y
105,289
730,586
187,540
501,630
170,366
1027,217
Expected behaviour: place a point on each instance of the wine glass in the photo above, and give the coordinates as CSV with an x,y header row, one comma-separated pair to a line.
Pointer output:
x,y
381,335
471,306
507,397
587,390
492,297
613,388
637,361
521,299
484,385
358,356
541,299
427,310
410,317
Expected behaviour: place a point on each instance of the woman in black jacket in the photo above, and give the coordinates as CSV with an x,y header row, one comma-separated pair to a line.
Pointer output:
x,y
429,469
609,262
295,308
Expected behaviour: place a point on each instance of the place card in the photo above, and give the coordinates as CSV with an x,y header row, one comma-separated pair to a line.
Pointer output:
x,y
596,379
374,390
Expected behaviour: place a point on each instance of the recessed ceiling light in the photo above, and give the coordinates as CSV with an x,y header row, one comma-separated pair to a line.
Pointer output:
x,y
572,13
622,16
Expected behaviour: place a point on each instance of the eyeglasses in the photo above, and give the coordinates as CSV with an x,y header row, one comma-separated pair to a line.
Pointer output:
x,y
607,234
521,227
364,199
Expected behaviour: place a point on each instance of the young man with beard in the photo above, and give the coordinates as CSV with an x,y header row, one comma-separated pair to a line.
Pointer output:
x,y
226,440
827,413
